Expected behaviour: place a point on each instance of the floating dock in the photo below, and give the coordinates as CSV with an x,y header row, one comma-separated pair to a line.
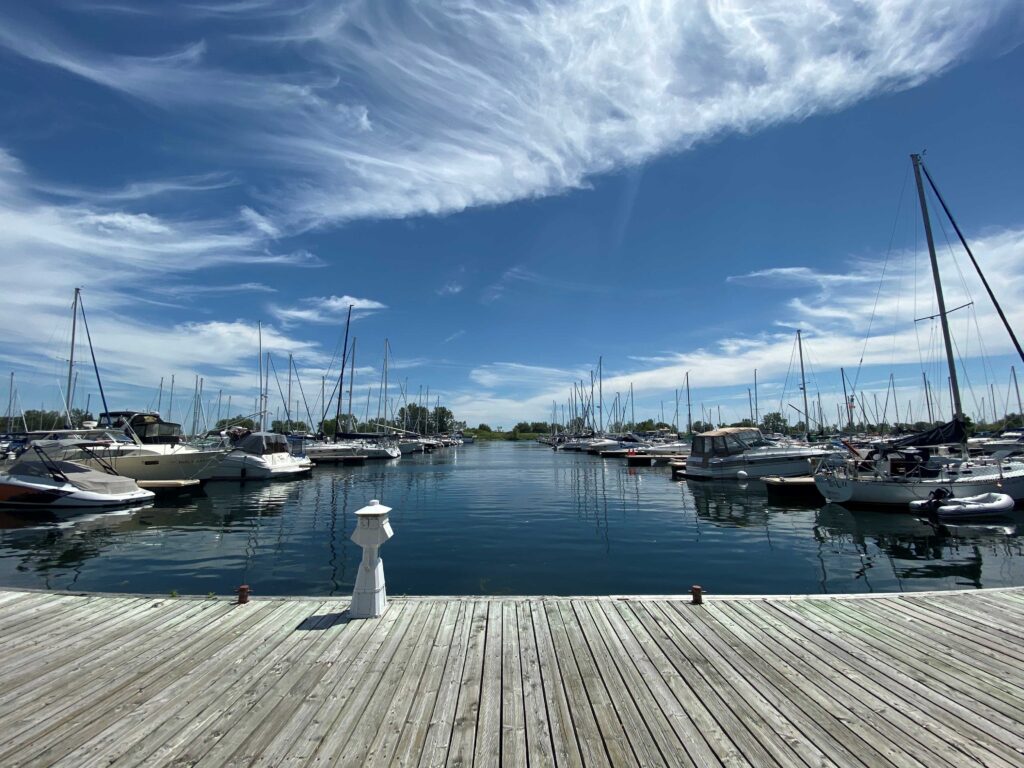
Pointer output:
x,y
907,680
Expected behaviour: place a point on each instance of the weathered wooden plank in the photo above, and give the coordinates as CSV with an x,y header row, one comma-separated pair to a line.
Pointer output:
x,y
342,707
288,745
563,738
688,664
406,749
589,736
937,705
100,679
697,729
539,749
118,699
487,743
513,712
966,679
388,726
463,740
823,721
442,718
166,714
276,705
652,739
902,722
617,743
974,648
765,717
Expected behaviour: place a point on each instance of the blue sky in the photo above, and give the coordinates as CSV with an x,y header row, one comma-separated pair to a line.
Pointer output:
x,y
507,192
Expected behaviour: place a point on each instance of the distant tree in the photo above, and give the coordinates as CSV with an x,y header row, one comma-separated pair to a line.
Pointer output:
x,y
743,423
283,426
522,426
773,422
442,420
235,421
702,426
484,428
538,427
647,425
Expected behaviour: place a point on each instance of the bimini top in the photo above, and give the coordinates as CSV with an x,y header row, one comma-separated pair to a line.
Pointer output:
x,y
260,443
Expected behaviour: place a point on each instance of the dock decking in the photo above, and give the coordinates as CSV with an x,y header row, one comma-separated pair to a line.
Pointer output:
x,y
916,680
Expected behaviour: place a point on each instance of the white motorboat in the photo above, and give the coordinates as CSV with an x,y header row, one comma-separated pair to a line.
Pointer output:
x,y
143,447
46,476
329,452
259,456
945,507
733,453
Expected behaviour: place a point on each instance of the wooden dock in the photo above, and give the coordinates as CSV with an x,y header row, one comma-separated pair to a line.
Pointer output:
x,y
911,680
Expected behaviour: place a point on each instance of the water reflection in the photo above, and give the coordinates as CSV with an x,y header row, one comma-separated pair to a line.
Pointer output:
x,y
503,519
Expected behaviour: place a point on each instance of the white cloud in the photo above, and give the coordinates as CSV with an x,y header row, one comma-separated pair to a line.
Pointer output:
x,y
261,223
329,309
449,289
459,104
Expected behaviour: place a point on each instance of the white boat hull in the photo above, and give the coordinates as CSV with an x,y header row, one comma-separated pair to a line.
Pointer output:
x,y
241,466
871,491
179,465
46,492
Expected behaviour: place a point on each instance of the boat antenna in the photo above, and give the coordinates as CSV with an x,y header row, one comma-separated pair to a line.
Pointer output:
x,y
958,413
974,261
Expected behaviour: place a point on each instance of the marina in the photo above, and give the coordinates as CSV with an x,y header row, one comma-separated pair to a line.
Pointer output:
x,y
900,680
505,518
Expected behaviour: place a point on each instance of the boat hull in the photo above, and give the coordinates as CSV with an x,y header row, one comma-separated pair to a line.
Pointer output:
x,y
15,492
874,492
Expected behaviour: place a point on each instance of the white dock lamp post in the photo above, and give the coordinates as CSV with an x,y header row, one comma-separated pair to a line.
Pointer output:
x,y
369,598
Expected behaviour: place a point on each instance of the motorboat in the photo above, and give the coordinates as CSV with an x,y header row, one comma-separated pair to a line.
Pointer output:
x,y
259,456
143,447
744,453
945,507
48,474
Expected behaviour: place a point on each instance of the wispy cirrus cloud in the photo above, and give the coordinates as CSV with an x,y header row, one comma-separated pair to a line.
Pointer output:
x,y
326,309
486,103
520,276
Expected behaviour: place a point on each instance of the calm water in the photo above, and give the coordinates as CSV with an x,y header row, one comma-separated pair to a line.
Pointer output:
x,y
504,518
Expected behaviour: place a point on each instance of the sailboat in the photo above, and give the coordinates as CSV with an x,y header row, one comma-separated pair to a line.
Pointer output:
x,y
903,471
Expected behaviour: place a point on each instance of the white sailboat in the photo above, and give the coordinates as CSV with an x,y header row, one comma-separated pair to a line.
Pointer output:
x,y
898,473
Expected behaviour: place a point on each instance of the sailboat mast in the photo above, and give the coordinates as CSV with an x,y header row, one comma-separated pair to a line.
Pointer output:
x,y
689,406
71,359
341,373
958,413
259,369
1020,411
803,385
288,404
757,413
351,381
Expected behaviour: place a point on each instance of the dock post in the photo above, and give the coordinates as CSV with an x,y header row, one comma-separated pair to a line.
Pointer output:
x,y
369,598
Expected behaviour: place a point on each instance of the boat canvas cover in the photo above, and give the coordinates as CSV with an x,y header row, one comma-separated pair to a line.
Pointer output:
x,y
950,433
31,464
260,443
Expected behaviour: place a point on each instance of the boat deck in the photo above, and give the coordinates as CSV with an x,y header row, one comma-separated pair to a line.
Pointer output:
x,y
908,680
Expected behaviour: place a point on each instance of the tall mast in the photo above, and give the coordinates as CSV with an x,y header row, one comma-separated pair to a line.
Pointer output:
x,y
10,404
1020,412
351,381
927,397
958,413
600,392
632,408
71,359
689,407
170,399
803,385
259,364
288,404
341,373
757,413
846,401
160,396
